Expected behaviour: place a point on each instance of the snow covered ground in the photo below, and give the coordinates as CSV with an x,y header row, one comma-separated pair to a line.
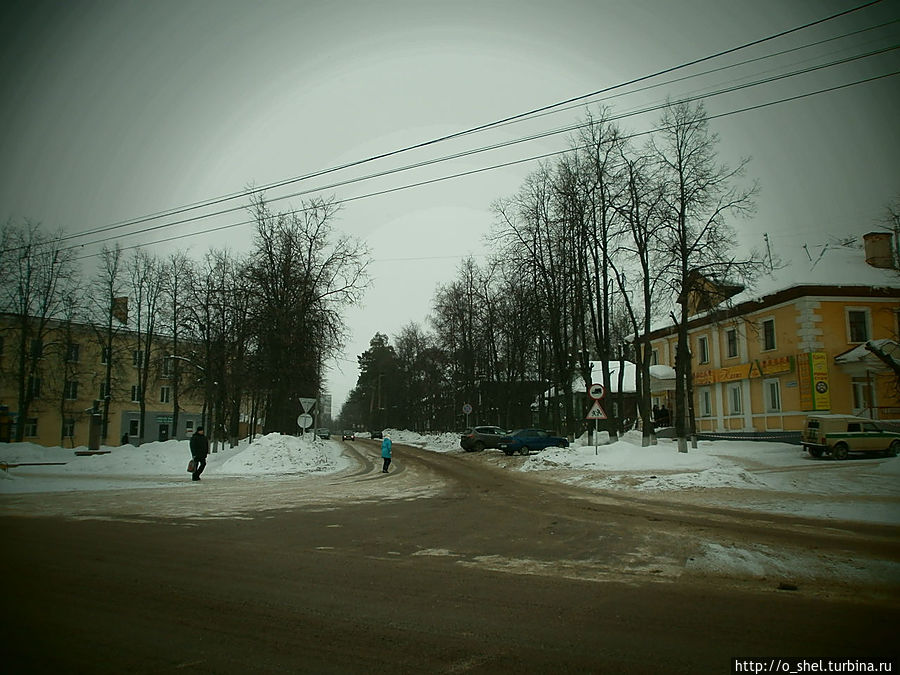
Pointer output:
x,y
157,464
765,476
754,475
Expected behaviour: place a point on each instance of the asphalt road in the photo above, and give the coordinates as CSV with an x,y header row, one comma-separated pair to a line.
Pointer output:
x,y
448,564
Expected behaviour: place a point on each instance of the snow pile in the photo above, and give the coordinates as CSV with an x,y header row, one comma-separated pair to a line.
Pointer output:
x,y
278,454
161,462
446,442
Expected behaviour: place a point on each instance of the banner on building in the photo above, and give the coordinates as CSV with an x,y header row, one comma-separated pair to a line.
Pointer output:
x,y
812,378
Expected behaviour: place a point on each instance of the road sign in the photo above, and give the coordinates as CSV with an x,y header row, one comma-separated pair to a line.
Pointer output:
x,y
596,392
596,412
304,421
467,408
307,404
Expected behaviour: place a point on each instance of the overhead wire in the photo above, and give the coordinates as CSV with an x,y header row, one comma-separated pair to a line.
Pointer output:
x,y
472,130
502,144
532,158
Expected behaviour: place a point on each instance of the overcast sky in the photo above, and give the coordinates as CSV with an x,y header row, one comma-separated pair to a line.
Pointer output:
x,y
113,110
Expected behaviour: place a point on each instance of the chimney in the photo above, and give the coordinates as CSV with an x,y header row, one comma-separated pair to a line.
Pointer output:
x,y
878,249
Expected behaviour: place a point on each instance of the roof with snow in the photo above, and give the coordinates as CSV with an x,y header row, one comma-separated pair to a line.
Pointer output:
x,y
824,270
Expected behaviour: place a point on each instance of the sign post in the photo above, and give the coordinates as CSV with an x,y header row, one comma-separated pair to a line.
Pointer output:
x,y
467,409
596,392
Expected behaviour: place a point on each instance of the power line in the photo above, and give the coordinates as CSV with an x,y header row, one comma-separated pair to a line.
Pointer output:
x,y
501,165
503,144
472,130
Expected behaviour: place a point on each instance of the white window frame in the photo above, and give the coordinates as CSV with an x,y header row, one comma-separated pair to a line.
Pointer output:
x,y
762,335
135,393
31,427
868,324
71,390
134,429
137,358
104,355
737,343
773,402
68,428
164,393
705,402
702,349
735,396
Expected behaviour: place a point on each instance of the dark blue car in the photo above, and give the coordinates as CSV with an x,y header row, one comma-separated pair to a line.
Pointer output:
x,y
525,440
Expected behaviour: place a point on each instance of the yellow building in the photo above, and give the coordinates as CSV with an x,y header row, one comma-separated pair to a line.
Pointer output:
x,y
801,343
70,377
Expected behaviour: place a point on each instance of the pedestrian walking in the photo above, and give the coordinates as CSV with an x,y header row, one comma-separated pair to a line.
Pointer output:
x,y
386,453
199,451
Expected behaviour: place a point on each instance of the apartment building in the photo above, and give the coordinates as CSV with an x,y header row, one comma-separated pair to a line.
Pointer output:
x,y
70,380
806,340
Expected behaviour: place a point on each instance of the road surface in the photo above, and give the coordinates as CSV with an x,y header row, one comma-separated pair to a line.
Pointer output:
x,y
448,564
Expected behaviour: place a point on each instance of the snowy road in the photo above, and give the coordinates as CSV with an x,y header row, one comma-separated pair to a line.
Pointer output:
x,y
450,563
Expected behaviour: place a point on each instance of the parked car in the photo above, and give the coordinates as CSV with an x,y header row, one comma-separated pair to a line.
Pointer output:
x,y
839,435
479,438
348,435
323,433
525,440
376,434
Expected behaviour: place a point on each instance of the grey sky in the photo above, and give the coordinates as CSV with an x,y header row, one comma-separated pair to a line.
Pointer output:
x,y
113,110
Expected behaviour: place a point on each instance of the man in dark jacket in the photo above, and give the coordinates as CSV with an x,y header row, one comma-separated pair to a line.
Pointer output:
x,y
199,451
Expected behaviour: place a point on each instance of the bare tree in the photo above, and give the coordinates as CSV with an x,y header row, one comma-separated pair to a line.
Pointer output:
x,y
701,195
638,275
38,273
147,297
108,310
176,273
303,275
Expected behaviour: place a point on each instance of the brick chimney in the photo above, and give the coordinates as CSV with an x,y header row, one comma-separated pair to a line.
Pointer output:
x,y
878,249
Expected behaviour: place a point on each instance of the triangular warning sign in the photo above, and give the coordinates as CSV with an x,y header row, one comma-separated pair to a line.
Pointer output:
x,y
596,412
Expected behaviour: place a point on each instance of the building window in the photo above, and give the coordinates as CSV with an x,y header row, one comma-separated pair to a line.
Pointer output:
x,y
167,367
654,357
104,355
858,324
73,350
705,403
772,389
70,387
735,399
34,387
189,426
68,428
137,358
731,338
703,349
768,335
31,427
164,395
104,392
37,349
133,428
135,393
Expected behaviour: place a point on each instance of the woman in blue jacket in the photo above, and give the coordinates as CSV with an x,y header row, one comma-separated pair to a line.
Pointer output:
x,y
386,453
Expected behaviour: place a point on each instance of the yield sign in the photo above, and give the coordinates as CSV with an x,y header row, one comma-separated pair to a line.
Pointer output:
x,y
307,404
596,412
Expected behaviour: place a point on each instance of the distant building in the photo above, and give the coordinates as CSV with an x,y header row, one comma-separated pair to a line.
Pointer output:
x,y
802,342
70,378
